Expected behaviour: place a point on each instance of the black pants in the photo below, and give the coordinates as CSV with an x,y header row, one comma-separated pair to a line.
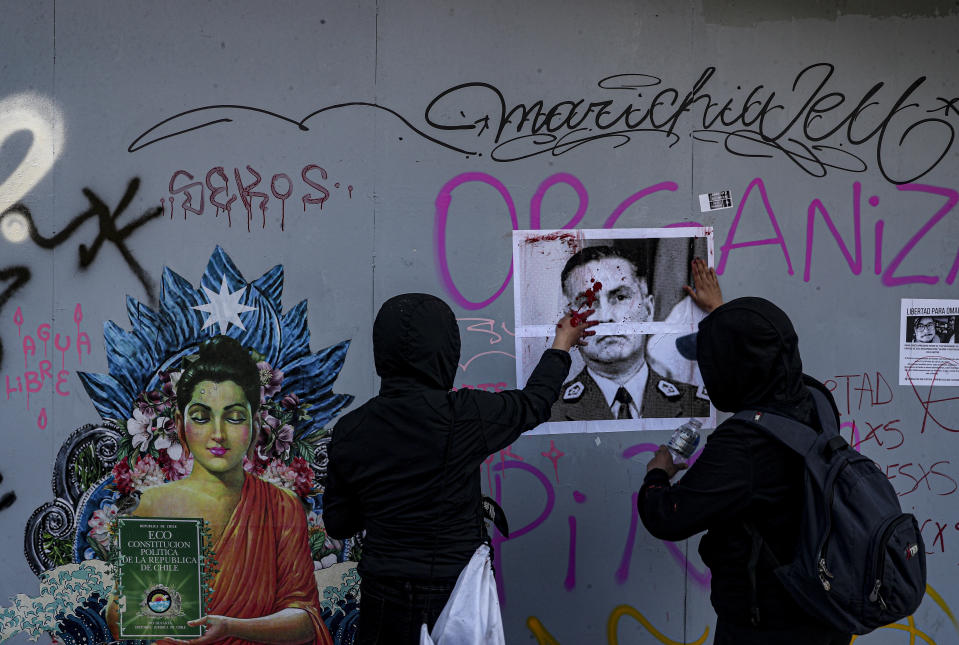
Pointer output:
x,y
730,633
392,609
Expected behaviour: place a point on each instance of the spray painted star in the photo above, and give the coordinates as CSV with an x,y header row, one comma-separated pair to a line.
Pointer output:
x,y
224,307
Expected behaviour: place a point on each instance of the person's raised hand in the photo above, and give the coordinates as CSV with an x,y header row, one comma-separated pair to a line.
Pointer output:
x,y
574,329
705,291
664,461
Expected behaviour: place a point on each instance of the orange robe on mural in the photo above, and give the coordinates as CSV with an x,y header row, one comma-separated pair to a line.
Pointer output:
x,y
265,561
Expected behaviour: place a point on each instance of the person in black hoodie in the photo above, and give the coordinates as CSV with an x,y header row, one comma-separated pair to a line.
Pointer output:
x,y
748,355
405,466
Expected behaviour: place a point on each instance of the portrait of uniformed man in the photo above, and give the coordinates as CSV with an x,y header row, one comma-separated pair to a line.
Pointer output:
x,y
617,381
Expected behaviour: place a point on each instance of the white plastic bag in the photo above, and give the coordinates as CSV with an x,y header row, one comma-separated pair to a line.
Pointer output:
x,y
471,616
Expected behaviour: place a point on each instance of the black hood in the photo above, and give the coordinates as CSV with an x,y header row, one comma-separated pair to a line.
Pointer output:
x,y
416,341
748,355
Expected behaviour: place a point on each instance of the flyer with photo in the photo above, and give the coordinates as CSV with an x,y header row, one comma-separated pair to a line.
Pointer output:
x,y
160,578
929,351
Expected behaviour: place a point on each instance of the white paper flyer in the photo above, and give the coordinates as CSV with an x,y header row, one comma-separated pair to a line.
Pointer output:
x,y
928,347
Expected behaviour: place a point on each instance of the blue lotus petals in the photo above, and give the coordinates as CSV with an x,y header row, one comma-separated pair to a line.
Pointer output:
x,y
111,398
221,265
121,345
270,285
295,333
158,340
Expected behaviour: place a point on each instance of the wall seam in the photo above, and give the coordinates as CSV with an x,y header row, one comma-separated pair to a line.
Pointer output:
x,y
376,65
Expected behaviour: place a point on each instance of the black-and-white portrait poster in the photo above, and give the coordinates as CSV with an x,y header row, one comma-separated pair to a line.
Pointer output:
x,y
929,342
629,375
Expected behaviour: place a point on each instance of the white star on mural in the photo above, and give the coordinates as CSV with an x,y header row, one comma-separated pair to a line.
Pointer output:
x,y
224,307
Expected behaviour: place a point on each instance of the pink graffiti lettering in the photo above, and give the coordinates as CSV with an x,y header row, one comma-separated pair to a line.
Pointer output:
x,y
282,196
855,264
187,204
218,182
309,198
635,197
61,380
443,201
873,434
496,539
952,197
215,191
62,350
622,573
40,372
778,239
247,195
559,178
554,454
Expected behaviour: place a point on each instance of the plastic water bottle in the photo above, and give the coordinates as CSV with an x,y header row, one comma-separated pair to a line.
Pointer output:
x,y
685,440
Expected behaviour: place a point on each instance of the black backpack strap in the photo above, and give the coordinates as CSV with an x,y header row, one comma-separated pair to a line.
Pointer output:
x,y
796,435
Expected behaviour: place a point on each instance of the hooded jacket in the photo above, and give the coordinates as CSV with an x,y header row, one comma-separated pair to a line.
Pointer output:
x,y
748,354
405,466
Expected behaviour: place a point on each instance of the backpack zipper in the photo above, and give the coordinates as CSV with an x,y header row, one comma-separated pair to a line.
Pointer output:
x,y
824,572
880,567
874,596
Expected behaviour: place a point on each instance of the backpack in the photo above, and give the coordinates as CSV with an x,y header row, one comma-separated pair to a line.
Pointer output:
x,y
860,562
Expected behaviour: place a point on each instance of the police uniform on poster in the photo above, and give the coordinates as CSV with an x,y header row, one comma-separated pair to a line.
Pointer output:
x,y
582,399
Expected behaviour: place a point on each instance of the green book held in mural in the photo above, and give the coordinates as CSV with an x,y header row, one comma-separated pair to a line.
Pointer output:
x,y
160,575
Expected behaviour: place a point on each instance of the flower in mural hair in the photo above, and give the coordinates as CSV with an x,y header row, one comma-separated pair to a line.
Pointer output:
x,y
303,476
139,429
174,469
283,439
290,402
270,380
255,466
269,429
123,477
166,438
149,402
279,474
99,524
296,476
168,382
146,473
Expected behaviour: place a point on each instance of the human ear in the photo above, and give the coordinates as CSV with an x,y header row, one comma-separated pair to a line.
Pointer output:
x,y
254,436
180,433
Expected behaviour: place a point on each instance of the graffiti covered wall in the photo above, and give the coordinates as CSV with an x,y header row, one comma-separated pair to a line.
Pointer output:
x,y
275,171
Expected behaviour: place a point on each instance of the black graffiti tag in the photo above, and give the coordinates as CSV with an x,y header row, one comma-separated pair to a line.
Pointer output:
x,y
8,498
109,230
813,122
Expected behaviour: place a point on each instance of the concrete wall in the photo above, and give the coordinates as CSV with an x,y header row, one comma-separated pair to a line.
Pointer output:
x,y
373,111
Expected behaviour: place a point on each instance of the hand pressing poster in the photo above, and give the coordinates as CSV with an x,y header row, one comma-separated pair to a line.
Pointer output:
x,y
629,376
